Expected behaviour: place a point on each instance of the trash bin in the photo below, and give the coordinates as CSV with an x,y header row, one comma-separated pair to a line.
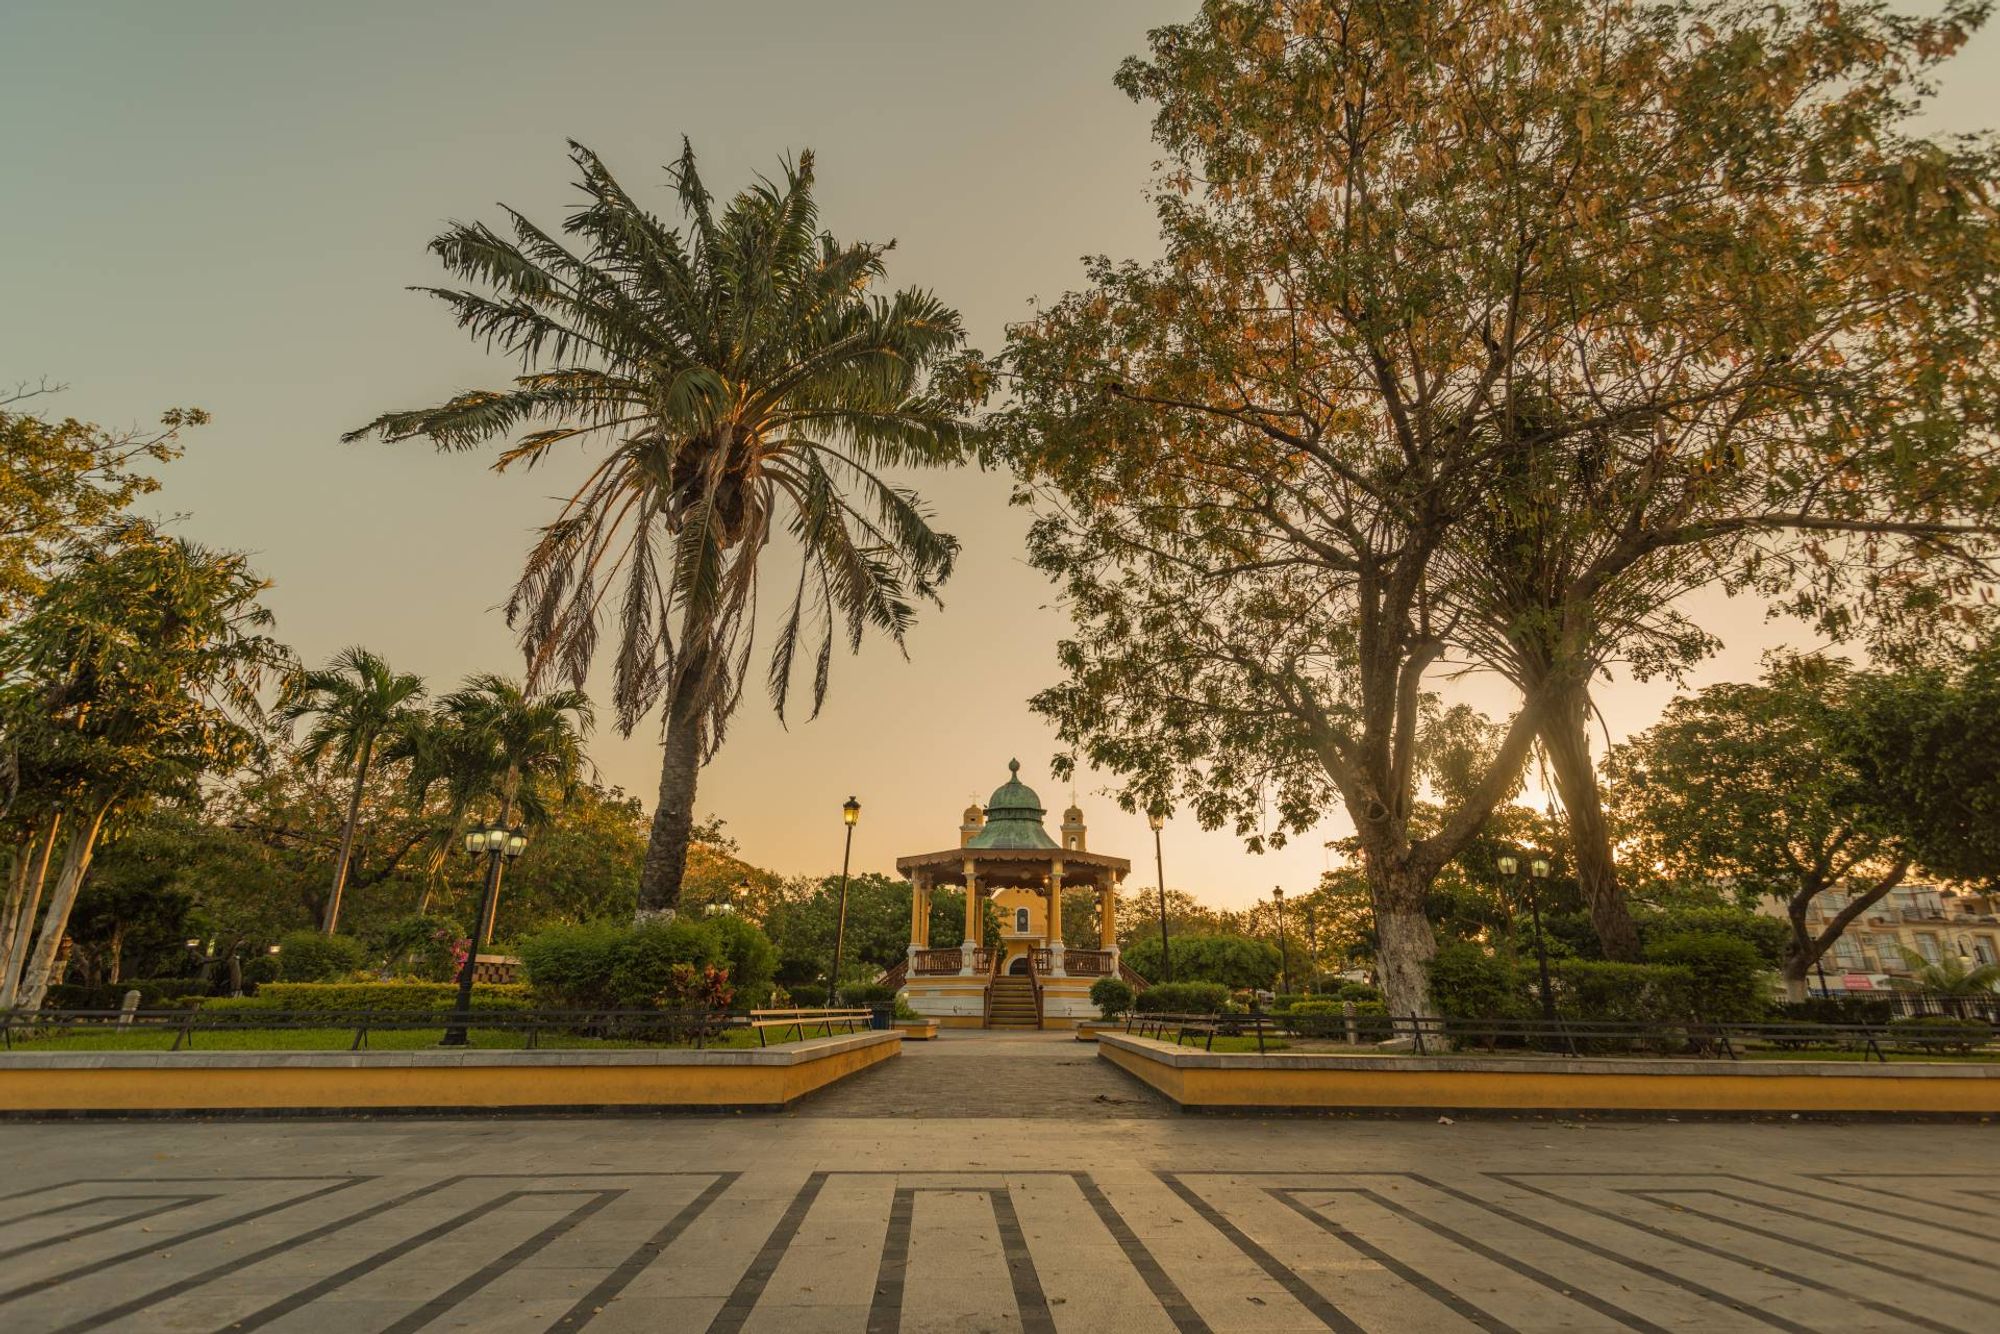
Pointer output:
x,y
882,1014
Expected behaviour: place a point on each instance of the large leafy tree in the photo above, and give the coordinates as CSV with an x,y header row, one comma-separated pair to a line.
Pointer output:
x,y
355,701
1747,784
65,481
136,673
739,385
1684,256
1924,744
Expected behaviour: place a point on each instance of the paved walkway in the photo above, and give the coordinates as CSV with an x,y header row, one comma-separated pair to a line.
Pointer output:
x,y
1099,1219
974,1073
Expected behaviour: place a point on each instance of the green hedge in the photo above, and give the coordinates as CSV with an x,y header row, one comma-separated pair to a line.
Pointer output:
x,y
1469,983
1728,974
381,997
1183,998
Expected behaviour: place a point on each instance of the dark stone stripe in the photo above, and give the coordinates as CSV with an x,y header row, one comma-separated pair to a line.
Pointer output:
x,y
477,1280
96,1267
1652,1271
1928,1280
1171,1299
1029,1299
1564,1290
333,1282
1733,1257
1423,1283
633,1265
173,1202
1854,1181
164,1181
885,1310
1302,1292
743,1298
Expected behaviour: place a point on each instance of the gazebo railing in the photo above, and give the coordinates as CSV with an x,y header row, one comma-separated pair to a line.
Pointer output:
x,y
937,963
1088,963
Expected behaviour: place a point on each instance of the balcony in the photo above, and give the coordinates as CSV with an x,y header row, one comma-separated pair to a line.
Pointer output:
x,y
949,963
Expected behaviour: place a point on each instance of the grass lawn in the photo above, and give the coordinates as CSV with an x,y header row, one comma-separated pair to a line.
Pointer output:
x,y
1226,1043
341,1039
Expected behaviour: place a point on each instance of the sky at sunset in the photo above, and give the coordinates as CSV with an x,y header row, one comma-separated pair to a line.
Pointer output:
x,y
221,205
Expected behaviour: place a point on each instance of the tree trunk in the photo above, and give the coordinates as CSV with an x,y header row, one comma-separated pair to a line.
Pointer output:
x,y
673,818
1566,738
347,839
1404,941
41,962
19,929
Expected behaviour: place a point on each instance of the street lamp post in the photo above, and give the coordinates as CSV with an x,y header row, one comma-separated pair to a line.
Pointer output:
x,y
498,844
1509,867
850,811
1284,970
1157,819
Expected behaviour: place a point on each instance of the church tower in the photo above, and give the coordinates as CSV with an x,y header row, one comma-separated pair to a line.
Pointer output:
x,y
1073,834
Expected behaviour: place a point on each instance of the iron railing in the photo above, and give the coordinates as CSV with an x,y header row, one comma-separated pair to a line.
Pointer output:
x,y
665,1027
1428,1035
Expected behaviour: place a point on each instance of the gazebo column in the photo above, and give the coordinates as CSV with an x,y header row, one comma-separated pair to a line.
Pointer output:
x,y
1055,921
919,912
974,918
1107,914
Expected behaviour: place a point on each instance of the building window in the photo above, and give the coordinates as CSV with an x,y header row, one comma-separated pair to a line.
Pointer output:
x,y
1020,921
1847,953
1982,950
1927,945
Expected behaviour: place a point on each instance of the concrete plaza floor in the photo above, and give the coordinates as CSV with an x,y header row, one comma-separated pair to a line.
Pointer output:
x,y
995,1183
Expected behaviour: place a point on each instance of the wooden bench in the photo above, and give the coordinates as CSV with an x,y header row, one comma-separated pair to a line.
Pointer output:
x,y
766,1020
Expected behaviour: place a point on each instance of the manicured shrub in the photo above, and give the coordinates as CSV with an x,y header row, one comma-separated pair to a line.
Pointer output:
x,y
1357,991
1469,983
1633,993
379,997
1728,973
1316,1019
677,964
1112,996
308,956
866,993
751,957
1183,998
1934,1033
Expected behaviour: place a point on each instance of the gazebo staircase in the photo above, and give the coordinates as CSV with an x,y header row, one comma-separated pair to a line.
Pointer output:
x,y
1011,1002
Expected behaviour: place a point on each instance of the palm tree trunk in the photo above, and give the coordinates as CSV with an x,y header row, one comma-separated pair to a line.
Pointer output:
x,y
1566,739
34,984
332,919
673,818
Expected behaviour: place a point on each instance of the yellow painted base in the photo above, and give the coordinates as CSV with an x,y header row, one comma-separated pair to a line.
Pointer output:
x,y
1261,1083
430,1087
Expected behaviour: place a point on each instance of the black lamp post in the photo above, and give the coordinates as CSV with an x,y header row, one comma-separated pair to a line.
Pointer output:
x,y
1284,970
1509,867
1157,818
850,811
498,844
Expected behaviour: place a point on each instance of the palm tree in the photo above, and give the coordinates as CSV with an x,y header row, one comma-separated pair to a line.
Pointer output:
x,y
738,383
492,744
355,701
1955,978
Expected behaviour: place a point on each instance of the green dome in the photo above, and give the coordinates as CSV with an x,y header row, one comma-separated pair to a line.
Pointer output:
x,y
1013,817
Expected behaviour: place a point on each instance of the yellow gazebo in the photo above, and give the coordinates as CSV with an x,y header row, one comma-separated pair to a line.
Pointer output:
x,y
1030,980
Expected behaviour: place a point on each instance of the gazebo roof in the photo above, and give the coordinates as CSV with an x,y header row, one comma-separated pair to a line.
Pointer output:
x,y
1013,817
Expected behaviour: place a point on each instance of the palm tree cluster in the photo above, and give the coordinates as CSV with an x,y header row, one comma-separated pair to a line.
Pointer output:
x,y
740,385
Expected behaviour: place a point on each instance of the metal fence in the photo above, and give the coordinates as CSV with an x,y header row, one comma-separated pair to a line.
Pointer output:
x,y
1427,1035
187,1026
